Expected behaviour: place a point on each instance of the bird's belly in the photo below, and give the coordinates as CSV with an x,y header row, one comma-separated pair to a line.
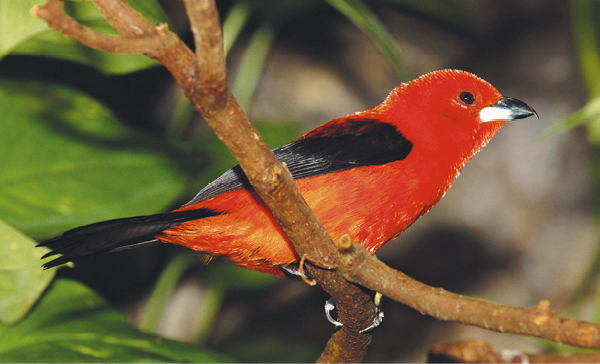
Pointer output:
x,y
372,205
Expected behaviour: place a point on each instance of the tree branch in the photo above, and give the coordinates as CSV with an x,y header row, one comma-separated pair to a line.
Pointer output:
x,y
478,351
359,266
202,77
203,80
52,13
274,183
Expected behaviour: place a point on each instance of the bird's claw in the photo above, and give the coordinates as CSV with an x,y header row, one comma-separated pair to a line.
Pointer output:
x,y
330,306
376,321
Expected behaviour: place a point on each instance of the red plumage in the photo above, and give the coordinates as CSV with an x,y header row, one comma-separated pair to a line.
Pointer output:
x,y
369,175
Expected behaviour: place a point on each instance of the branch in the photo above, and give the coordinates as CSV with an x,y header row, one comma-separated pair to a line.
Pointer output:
x,y
275,185
52,13
478,351
359,266
203,79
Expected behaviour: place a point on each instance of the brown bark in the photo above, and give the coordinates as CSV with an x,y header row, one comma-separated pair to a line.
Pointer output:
x,y
363,268
478,351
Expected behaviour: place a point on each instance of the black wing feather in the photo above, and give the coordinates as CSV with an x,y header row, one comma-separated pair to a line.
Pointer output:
x,y
355,143
363,142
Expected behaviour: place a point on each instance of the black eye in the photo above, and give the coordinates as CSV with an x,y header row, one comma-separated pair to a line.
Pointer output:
x,y
467,97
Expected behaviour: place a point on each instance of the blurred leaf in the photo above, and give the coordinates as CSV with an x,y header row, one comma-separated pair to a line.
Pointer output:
x,y
588,115
22,280
22,33
584,23
72,324
452,12
66,161
164,287
359,14
277,133
17,24
252,64
234,23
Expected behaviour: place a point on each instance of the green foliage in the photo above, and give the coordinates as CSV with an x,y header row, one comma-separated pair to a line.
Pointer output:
x,y
585,33
21,279
27,35
584,24
359,14
67,161
72,324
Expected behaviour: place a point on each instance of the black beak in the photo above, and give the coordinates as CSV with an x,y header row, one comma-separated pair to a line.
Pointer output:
x,y
507,109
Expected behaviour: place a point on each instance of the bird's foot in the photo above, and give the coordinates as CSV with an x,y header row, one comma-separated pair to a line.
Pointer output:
x,y
330,306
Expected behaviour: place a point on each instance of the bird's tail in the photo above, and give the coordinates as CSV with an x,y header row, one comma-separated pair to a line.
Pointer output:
x,y
115,235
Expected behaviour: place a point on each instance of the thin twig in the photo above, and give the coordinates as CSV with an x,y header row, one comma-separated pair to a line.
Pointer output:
x,y
123,18
59,21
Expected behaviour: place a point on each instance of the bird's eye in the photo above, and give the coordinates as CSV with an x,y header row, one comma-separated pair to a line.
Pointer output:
x,y
467,97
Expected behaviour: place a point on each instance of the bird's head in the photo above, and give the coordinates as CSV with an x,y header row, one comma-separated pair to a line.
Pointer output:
x,y
450,110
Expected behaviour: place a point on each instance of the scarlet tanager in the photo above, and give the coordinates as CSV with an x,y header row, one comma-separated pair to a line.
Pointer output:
x,y
369,175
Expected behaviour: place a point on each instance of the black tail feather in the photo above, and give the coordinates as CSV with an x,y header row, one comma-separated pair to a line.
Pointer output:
x,y
115,235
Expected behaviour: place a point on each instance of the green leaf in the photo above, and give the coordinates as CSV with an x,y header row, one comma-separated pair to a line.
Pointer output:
x,y
66,161
233,24
165,285
17,24
588,115
584,24
360,14
252,64
453,13
72,324
22,280
24,34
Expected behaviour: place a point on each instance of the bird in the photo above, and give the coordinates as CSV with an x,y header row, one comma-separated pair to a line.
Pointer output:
x,y
368,175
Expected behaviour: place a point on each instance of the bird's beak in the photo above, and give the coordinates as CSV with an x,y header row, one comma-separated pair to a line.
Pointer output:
x,y
507,109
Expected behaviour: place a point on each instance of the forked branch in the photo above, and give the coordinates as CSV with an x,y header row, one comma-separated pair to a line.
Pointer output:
x,y
203,78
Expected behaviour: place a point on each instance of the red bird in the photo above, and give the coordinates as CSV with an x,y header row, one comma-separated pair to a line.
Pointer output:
x,y
369,175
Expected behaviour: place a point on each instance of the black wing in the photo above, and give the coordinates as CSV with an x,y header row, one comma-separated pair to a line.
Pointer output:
x,y
362,142
356,143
